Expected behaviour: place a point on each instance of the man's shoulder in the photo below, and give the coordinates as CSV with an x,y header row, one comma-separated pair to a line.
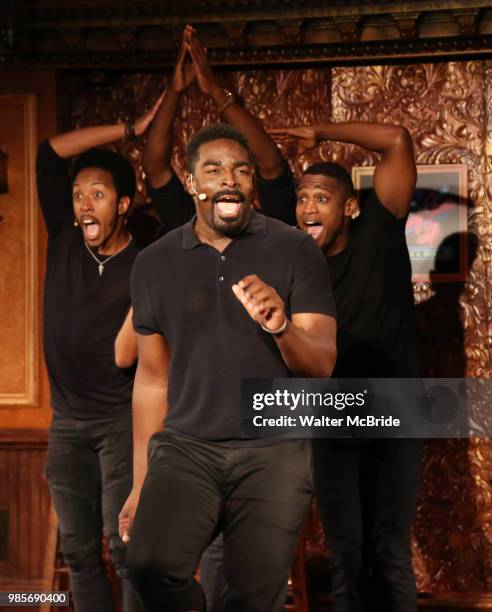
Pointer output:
x,y
283,234
170,243
283,231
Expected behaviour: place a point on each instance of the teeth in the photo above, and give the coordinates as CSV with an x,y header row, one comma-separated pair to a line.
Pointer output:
x,y
88,221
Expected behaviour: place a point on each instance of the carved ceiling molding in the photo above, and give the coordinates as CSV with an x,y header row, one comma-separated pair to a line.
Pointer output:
x,y
77,33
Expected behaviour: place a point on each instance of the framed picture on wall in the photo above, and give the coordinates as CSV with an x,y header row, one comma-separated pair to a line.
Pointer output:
x,y
437,226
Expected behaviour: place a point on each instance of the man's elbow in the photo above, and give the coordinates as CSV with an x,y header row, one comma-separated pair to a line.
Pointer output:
x,y
327,363
324,363
402,139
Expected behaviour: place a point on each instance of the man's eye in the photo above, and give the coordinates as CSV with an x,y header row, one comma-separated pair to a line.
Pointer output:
x,y
322,199
76,196
212,171
99,194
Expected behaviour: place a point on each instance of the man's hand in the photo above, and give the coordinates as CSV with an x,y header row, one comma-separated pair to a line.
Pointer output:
x,y
184,71
262,302
143,122
204,74
306,137
127,515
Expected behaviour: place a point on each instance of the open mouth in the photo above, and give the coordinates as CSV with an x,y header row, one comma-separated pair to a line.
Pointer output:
x,y
313,228
228,205
90,227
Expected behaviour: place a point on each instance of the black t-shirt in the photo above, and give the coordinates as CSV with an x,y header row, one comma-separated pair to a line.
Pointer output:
x,y
82,310
371,281
213,341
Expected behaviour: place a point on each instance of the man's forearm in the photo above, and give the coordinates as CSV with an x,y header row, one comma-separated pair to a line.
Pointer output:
x,y
307,355
266,153
77,141
149,409
159,147
373,136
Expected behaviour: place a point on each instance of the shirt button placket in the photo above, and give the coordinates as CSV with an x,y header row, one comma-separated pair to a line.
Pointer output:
x,y
221,278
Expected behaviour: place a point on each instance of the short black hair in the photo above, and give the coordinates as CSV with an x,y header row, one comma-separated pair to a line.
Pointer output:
x,y
121,170
336,171
220,131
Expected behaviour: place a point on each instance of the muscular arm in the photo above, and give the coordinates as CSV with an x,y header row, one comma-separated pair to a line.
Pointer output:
x,y
308,342
266,153
308,345
149,399
75,142
395,175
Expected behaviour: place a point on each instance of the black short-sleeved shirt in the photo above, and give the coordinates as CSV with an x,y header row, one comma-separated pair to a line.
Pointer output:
x,y
213,341
371,281
82,310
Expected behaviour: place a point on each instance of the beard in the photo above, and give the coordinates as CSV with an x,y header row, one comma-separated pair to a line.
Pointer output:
x,y
234,226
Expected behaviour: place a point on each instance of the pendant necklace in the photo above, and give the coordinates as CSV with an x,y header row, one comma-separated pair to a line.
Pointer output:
x,y
102,263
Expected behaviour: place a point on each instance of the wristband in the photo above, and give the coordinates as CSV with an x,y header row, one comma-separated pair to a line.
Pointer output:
x,y
130,130
230,99
275,332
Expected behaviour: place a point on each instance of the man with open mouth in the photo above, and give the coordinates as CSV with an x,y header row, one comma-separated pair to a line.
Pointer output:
x,y
245,297
87,296
366,488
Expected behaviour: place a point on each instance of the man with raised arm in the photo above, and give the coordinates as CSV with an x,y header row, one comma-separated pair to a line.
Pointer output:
x,y
224,310
175,203
87,295
366,489
165,186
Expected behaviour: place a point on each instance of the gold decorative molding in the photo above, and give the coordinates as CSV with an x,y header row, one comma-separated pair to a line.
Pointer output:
x,y
109,33
21,291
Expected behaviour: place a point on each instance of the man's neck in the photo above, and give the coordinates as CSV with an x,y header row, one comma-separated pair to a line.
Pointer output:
x,y
116,241
340,243
208,235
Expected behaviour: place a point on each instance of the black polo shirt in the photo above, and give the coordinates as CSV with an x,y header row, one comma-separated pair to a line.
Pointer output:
x,y
182,288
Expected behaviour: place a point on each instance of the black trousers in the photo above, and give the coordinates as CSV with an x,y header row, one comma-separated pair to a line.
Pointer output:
x,y
89,471
258,497
366,491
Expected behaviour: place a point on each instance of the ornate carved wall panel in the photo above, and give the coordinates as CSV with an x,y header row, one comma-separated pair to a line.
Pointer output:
x,y
443,107
447,108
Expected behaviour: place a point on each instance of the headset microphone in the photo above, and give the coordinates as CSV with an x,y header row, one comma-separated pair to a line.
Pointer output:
x,y
201,196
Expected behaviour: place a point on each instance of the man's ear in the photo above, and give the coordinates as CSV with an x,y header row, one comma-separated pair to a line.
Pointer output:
x,y
190,187
352,209
124,205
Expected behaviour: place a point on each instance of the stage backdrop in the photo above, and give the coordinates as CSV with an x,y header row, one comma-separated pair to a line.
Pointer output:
x,y
447,107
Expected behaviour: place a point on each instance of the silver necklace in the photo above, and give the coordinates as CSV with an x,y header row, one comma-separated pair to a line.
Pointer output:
x,y
102,263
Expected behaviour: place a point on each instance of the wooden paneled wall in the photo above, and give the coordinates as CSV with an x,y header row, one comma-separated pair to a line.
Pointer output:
x,y
24,504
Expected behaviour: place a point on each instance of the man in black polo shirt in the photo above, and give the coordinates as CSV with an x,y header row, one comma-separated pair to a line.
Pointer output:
x,y
245,297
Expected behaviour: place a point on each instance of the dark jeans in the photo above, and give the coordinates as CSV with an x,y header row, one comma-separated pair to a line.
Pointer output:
x,y
89,471
366,491
212,575
258,497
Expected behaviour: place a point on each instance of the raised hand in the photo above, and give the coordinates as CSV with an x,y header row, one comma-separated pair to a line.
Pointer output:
x,y
143,122
204,74
262,302
184,71
306,137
